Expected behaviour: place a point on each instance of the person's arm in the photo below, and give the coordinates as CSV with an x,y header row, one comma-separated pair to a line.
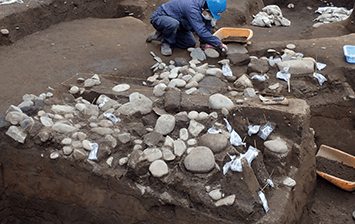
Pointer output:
x,y
196,20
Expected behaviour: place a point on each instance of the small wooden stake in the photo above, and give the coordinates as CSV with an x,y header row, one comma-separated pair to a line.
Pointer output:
x,y
289,85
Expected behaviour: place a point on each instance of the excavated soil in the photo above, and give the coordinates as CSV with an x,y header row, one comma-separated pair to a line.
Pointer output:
x,y
42,55
336,169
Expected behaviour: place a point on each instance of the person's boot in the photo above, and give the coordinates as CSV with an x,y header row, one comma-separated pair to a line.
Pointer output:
x,y
156,35
165,49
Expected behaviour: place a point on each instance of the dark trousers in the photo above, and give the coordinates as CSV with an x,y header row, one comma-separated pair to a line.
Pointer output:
x,y
171,32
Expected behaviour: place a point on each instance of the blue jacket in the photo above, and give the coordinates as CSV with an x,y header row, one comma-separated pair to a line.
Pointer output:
x,y
189,14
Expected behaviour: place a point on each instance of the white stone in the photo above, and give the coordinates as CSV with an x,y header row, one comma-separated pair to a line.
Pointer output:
x,y
74,90
179,147
66,141
177,83
77,144
173,75
219,101
159,90
121,88
215,142
288,181
81,136
54,155
79,154
15,117
192,142
214,115
138,103
46,121
214,72
123,161
124,137
200,160
195,128
43,135
91,110
198,77
274,86
191,91
187,78
17,133
277,146
105,123
62,109
165,124
58,117
168,155
67,150
80,106
215,194
158,168
191,84
26,103
291,46
169,142
152,154
91,82
13,108
102,131
227,201
297,67
152,78
211,53
202,116
164,75
137,147
112,140
86,145
109,161
243,82
63,128
184,134
192,115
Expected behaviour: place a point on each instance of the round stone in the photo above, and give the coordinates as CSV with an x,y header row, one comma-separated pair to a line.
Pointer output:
x,y
211,53
158,168
200,160
216,194
66,141
121,87
165,124
290,46
193,115
54,155
67,150
74,90
219,101
4,31
215,142
277,146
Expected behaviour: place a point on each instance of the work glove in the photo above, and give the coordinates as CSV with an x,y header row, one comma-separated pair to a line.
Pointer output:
x,y
223,48
207,46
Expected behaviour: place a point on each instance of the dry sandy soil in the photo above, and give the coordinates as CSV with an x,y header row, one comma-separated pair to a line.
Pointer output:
x,y
116,47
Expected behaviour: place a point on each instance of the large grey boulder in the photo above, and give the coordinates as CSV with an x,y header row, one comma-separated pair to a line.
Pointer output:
x,y
138,103
165,124
215,142
200,160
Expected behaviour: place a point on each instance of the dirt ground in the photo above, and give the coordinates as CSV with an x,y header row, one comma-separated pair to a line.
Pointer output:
x,y
50,57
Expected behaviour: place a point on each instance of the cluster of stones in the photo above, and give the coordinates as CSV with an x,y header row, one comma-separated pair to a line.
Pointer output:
x,y
75,124
196,77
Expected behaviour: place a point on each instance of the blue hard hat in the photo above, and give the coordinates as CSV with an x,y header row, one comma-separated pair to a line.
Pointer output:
x,y
216,7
